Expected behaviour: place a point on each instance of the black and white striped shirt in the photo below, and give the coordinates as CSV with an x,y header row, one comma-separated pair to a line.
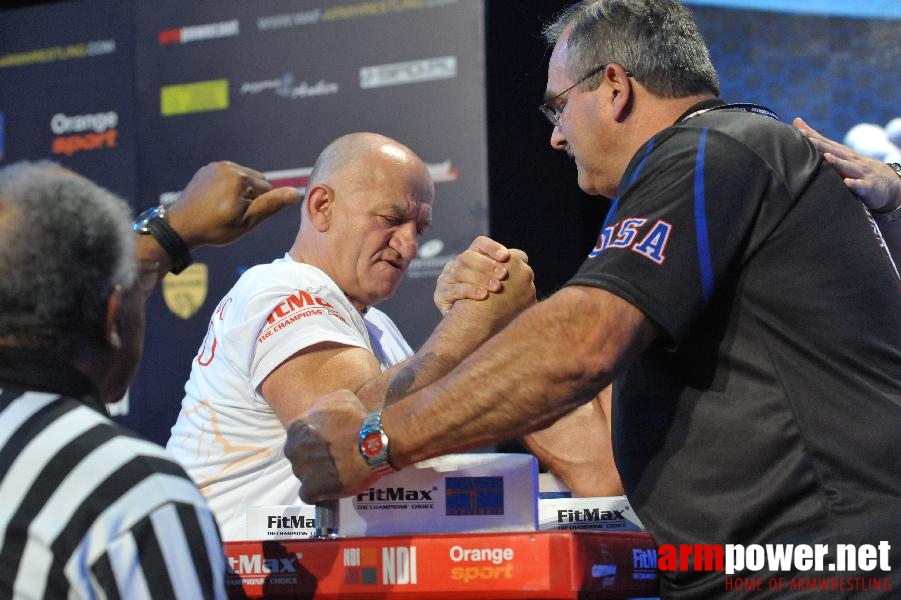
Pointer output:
x,y
87,508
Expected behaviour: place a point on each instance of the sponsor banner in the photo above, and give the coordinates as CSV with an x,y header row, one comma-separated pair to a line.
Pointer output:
x,y
607,513
84,133
287,86
501,566
786,567
356,10
414,71
200,96
58,53
67,89
452,493
199,33
281,522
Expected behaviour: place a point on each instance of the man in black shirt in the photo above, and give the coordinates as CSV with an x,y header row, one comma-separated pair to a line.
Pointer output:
x,y
740,296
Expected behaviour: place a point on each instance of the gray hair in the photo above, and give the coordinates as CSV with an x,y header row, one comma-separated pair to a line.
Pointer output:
x,y
64,244
657,41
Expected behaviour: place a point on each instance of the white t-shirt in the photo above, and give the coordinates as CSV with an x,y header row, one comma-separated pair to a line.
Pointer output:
x,y
227,436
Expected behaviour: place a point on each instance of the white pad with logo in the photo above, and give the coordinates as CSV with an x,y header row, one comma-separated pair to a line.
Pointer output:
x,y
457,493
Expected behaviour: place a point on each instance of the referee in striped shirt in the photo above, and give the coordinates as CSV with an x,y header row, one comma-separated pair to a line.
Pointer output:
x,y
87,508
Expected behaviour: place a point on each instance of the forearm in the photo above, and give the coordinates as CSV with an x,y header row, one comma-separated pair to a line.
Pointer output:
x,y
458,335
551,359
578,449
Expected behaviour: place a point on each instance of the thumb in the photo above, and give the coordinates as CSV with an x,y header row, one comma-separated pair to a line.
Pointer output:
x,y
266,205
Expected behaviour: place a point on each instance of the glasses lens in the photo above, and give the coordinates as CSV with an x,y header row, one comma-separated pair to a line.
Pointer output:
x,y
550,114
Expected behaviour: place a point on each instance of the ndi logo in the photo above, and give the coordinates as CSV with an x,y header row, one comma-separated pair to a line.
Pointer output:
x,y
469,496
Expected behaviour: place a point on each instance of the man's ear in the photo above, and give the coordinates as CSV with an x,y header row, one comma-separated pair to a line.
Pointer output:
x,y
114,305
319,206
621,86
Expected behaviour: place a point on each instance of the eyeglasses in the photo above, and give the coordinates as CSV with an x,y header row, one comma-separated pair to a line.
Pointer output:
x,y
554,114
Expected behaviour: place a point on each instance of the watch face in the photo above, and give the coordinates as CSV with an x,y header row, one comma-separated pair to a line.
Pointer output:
x,y
140,225
372,444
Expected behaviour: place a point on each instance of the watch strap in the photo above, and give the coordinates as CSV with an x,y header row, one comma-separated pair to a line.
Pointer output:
x,y
171,242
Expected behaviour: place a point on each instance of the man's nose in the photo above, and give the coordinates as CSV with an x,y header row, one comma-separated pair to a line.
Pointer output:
x,y
405,241
558,140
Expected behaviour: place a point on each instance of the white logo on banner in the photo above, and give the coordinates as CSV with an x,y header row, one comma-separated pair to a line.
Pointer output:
x,y
288,87
414,71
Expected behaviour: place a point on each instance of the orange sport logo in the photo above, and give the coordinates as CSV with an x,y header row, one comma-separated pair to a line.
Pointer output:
x,y
84,132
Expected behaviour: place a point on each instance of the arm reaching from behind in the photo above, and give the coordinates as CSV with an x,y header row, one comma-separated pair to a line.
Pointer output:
x,y
877,184
221,203
873,181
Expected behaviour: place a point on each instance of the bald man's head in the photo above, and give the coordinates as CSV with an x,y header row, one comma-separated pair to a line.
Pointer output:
x,y
360,156
368,201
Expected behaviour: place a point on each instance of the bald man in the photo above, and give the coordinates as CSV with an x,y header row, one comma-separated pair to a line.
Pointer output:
x,y
304,325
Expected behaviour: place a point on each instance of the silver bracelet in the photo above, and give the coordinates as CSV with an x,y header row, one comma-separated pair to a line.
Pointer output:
x,y
895,213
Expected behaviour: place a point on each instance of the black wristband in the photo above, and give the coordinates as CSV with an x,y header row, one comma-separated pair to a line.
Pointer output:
x,y
172,243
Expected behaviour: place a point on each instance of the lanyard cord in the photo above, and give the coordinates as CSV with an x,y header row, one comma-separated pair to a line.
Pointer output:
x,y
745,106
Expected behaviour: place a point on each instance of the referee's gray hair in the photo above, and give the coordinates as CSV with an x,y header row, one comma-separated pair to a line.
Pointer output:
x,y
655,40
64,244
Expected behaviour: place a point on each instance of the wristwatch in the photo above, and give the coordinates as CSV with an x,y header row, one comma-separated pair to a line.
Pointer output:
x,y
889,215
374,444
153,222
